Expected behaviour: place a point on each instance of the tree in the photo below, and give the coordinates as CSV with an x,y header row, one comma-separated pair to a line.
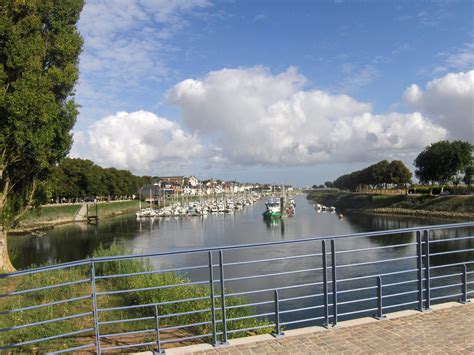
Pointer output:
x,y
329,184
399,173
441,161
469,175
39,51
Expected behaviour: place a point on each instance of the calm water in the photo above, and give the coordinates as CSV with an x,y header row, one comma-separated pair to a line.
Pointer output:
x,y
77,241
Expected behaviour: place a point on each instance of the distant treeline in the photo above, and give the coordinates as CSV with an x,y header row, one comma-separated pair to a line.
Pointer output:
x,y
81,179
377,175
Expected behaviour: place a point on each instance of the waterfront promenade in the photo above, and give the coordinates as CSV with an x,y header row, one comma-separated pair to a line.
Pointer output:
x,y
447,329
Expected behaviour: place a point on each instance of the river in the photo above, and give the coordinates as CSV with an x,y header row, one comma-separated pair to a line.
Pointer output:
x,y
77,241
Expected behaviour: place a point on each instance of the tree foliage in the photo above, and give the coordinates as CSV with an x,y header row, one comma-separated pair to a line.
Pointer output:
x,y
376,175
39,51
80,178
440,162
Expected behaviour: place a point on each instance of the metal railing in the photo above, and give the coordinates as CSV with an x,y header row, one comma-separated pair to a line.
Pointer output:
x,y
212,294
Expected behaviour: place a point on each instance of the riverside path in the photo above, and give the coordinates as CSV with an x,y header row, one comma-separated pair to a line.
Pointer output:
x,y
447,329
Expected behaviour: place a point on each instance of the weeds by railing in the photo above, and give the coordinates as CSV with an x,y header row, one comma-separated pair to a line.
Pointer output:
x,y
150,301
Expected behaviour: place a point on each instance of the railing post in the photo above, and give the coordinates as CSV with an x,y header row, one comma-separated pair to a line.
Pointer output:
x,y
464,299
334,282
325,284
157,328
224,320
94,305
426,235
419,262
380,314
213,303
277,333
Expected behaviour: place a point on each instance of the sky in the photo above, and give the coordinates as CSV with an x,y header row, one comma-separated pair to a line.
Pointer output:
x,y
295,92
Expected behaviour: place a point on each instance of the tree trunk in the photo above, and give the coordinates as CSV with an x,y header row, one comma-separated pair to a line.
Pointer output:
x,y
5,263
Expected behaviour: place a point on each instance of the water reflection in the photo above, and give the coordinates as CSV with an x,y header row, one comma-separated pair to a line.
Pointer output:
x,y
73,242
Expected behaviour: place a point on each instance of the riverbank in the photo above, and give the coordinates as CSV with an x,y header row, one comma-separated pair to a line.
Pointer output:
x,y
457,206
46,217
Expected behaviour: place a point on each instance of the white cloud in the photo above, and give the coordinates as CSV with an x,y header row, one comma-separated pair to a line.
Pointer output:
x,y
448,101
139,141
256,117
127,47
461,59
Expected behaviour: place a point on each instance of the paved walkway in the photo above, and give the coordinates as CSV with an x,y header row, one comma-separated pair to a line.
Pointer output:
x,y
449,328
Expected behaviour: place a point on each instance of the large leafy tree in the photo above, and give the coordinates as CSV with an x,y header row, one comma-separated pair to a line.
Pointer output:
x,y
441,161
39,51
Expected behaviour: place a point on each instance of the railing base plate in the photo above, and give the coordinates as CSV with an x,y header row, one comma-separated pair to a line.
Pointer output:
x,y
218,344
276,335
464,302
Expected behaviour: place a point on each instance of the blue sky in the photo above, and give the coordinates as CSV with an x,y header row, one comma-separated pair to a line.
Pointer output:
x,y
279,91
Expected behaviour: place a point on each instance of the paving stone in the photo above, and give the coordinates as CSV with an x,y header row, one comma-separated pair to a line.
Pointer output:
x,y
443,331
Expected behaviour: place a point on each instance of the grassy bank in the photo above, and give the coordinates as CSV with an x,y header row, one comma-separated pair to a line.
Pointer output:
x,y
83,306
49,216
51,213
420,205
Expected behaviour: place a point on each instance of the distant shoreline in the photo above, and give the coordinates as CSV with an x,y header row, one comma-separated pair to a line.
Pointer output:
x,y
450,207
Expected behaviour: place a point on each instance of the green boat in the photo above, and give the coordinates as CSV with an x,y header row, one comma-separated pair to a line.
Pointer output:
x,y
273,210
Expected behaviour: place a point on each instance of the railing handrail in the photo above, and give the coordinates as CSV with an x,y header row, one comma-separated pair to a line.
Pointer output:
x,y
233,247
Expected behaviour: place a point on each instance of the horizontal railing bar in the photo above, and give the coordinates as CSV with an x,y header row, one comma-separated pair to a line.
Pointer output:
x,y
401,283
445,276
184,313
273,289
453,252
358,300
357,289
450,265
446,286
374,248
272,259
179,340
131,332
400,294
376,275
400,304
301,309
446,296
72,349
251,316
125,320
46,268
360,311
64,284
45,304
110,293
45,339
185,326
46,321
151,304
152,272
377,261
251,328
272,274
450,239
303,297
302,320
250,304
128,346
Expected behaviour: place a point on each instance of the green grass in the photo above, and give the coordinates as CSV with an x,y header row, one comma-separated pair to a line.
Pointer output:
x,y
109,208
152,279
364,201
50,213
